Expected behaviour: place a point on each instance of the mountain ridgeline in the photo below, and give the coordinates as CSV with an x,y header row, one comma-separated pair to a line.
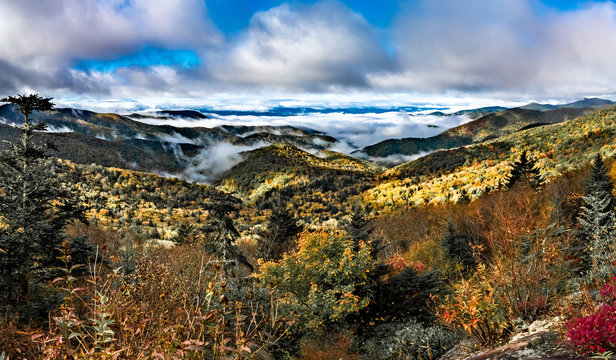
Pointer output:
x,y
487,127
128,142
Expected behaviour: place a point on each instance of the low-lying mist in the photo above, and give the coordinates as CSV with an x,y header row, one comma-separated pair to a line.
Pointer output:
x,y
354,130
215,160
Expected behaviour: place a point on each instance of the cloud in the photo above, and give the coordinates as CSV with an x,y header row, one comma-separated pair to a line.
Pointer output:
x,y
353,130
176,138
311,47
43,40
62,30
392,160
512,49
214,160
58,129
508,46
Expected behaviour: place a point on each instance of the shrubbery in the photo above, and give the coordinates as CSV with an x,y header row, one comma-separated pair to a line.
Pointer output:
x,y
323,279
474,308
596,333
410,340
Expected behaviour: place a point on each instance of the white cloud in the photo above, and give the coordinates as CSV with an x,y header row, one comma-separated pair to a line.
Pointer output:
x,y
37,31
58,129
392,160
353,130
512,49
215,160
314,47
508,46
41,40
176,138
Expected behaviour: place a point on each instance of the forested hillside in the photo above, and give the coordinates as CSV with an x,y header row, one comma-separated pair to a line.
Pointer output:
x,y
482,129
129,142
295,255
479,169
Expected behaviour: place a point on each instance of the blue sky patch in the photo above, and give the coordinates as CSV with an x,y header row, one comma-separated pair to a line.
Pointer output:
x,y
149,56
233,16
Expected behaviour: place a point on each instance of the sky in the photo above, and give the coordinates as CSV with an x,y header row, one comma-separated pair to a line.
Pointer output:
x,y
139,54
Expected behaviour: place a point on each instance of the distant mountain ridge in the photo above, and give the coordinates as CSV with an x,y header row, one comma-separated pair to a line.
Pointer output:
x,y
486,127
580,104
128,141
190,114
115,140
480,168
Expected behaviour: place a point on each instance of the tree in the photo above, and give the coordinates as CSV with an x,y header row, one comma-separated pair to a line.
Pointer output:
x,y
279,234
221,233
599,181
35,207
463,199
185,234
324,280
403,296
458,247
360,229
524,171
596,223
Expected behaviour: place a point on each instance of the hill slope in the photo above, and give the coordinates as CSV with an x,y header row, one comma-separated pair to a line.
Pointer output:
x,y
313,185
485,128
128,142
479,168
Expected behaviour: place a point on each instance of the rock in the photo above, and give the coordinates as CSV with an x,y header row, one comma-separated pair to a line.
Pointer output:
x,y
460,351
540,345
540,340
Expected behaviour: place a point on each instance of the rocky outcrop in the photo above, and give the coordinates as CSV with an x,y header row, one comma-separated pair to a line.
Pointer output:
x,y
540,340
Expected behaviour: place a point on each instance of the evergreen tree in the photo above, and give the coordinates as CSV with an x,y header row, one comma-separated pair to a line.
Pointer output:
x,y
596,224
360,230
599,182
222,233
185,234
277,238
34,208
458,246
463,199
524,171
359,227
128,259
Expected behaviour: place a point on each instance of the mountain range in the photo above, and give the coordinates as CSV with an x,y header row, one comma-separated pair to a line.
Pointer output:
x,y
247,153
495,124
120,141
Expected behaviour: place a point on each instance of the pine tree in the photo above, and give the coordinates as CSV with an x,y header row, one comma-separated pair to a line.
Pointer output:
x,y
35,207
596,224
360,230
463,199
359,227
600,182
458,246
185,234
277,238
524,171
222,234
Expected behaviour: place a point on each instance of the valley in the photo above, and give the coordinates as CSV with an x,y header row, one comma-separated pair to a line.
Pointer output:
x,y
160,190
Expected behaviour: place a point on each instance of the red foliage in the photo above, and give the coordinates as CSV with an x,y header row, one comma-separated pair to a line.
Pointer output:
x,y
596,332
397,263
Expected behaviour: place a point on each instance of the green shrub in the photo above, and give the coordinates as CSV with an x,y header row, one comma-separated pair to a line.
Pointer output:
x,y
410,340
